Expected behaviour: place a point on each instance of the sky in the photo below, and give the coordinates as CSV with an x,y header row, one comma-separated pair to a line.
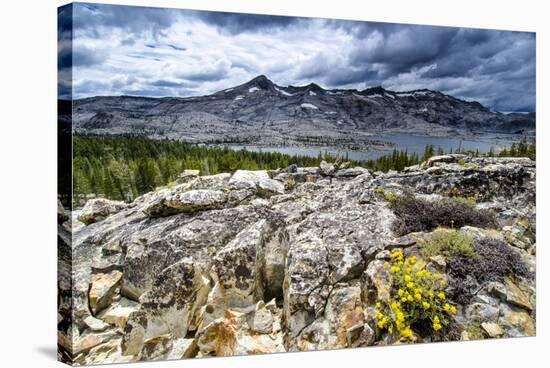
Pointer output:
x,y
123,50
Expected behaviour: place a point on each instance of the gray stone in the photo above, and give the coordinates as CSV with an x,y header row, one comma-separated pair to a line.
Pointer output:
x,y
188,175
326,168
480,312
104,287
95,324
98,209
196,200
515,296
213,182
246,176
269,187
236,269
443,159
492,329
350,172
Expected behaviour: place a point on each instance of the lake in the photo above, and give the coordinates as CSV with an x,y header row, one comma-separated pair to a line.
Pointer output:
x,y
412,143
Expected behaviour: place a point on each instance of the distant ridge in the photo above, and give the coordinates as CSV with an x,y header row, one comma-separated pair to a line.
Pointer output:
x,y
266,113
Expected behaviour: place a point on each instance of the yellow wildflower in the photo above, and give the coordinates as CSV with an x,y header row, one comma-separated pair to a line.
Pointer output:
x,y
426,305
441,295
400,292
408,278
400,316
418,297
410,285
453,309
447,306
398,255
386,264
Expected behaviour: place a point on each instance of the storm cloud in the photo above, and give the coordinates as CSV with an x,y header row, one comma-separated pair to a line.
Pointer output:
x,y
169,52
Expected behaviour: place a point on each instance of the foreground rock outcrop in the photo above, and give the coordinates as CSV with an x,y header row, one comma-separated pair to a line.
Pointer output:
x,y
287,260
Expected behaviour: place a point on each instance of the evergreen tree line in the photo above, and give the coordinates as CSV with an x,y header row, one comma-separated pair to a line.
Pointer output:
x,y
124,167
523,148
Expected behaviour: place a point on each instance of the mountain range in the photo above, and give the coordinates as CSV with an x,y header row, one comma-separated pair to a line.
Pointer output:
x,y
262,112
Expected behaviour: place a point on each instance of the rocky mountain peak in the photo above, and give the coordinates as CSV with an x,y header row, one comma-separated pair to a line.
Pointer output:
x,y
315,87
374,90
262,82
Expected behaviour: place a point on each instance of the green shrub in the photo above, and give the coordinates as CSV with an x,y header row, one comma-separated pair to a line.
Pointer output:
x,y
447,242
470,201
475,332
379,191
415,214
388,196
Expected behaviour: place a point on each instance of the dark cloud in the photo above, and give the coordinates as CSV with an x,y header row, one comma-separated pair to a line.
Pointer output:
x,y
178,48
65,87
166,83
350,76
235,23
65,22
199,52
84,56
406,47
133,19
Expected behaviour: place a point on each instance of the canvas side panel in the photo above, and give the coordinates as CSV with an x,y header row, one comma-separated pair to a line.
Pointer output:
x,y
65,328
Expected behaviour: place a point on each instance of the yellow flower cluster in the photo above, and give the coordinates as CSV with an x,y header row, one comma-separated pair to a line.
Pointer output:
x,y
436,323
417,295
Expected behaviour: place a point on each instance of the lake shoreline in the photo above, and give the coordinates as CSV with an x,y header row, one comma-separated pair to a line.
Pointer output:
x,y
380,144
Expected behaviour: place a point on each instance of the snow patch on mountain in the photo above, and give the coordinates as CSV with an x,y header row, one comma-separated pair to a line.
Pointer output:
x,y
284,93
309,106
